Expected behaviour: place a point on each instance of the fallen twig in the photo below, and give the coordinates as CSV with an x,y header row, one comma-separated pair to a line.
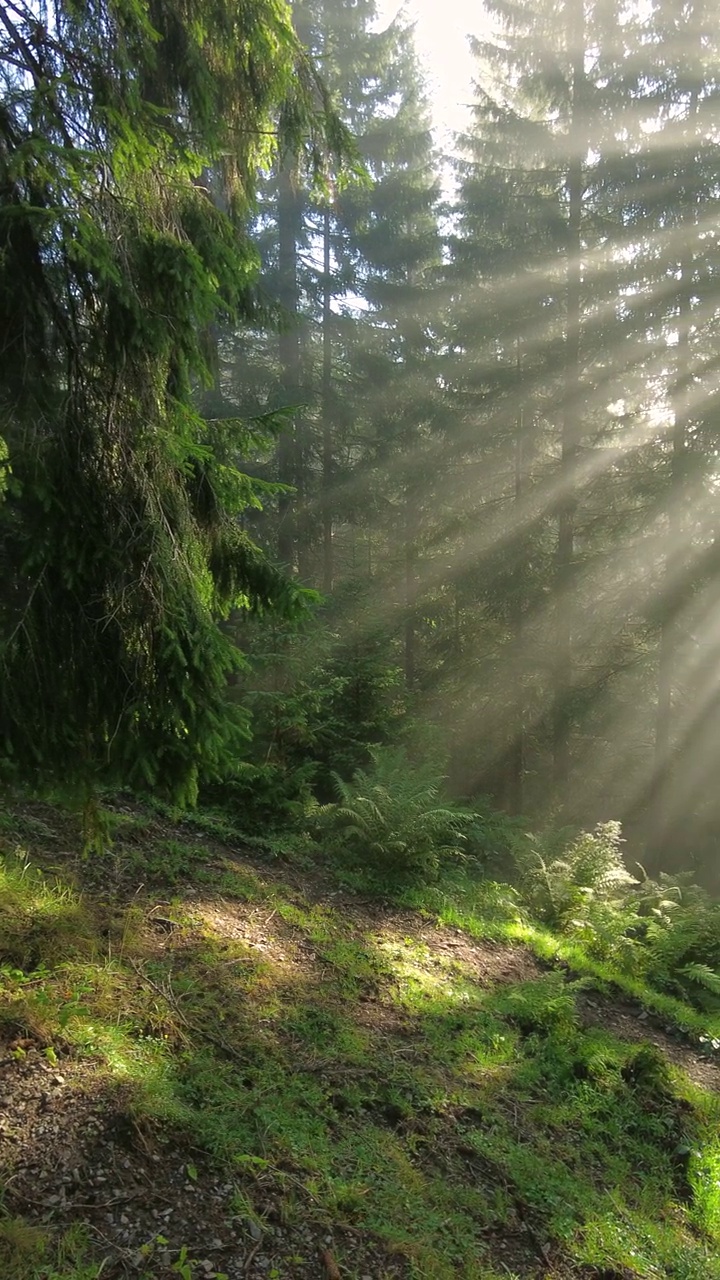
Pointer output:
x,y
171,999
250,1257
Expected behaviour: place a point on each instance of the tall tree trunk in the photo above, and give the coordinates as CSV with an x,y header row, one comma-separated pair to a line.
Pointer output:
x,y
327,438
289,214
515,768
676,587
571,409
410,555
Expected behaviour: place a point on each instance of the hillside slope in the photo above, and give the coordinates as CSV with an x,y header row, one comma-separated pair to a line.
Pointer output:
x,y
213,1063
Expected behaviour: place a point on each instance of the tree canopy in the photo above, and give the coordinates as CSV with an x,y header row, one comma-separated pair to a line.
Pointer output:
x,y
130,135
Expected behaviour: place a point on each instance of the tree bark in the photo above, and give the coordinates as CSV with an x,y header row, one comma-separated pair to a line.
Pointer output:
x,y
289,353
570,431
327,439
515,767
410,555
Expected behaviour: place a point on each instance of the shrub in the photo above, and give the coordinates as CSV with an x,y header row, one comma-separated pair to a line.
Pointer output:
x,y
264,797
667,930
683,946
390,820
567,888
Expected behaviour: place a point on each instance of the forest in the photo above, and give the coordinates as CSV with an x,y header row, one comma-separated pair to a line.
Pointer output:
x,y
359,643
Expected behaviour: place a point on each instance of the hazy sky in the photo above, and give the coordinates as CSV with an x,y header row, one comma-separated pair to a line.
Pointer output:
x,y
442,27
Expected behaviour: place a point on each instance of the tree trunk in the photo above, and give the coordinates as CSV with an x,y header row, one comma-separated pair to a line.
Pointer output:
x,y
410,553
570,421
327,439
677,587
289,353
675,591
515,765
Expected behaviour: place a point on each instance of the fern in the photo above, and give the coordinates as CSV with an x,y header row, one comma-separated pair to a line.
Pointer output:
x,y
589,871
703,975
389,819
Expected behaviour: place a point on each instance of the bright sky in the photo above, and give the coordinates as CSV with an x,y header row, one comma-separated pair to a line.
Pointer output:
x,y
442,28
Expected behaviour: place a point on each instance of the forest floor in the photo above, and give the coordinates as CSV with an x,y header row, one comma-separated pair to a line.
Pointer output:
x,y
213,1063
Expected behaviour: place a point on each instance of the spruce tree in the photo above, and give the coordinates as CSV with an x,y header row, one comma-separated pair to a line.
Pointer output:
x,y
392,242
537,278
341,253
120,125
583,248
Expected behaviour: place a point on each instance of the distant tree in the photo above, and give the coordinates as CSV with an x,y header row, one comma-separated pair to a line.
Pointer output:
x,y
391,246
350,272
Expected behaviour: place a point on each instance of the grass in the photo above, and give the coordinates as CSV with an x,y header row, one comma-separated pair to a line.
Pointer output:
x,y
359,1078
492,912
32,1253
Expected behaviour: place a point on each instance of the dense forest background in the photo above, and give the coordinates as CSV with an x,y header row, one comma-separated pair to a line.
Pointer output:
x,y
261,340
502,382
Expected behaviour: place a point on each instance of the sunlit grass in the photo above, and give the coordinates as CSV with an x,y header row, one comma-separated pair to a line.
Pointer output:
x,y
377,1083
704,1173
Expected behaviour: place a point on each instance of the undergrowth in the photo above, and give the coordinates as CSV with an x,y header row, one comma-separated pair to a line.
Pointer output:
x,y
353,1076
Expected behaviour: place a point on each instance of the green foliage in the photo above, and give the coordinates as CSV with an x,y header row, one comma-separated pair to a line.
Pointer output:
x,y
121,539
265,798
31,1251
683,940
666,929
493,838
391,820
40,922
318,705
542,1006
565,890
411,1089
703,975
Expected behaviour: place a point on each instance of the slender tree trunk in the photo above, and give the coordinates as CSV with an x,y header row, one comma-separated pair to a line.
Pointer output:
x,y
570,422
677,587
410,553
515,774
289,353
327,440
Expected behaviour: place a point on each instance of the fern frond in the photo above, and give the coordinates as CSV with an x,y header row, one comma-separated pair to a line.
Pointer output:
x,y
703,975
